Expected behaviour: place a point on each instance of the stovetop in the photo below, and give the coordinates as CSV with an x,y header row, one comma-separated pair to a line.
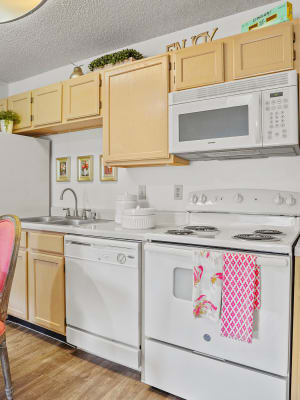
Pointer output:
x,y
244,219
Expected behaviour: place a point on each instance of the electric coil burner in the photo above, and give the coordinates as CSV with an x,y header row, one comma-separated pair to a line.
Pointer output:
x,y
255,236
201,228
180,232
268,232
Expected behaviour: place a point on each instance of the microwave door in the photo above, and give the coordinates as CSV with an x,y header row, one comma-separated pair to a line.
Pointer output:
x,y
232,122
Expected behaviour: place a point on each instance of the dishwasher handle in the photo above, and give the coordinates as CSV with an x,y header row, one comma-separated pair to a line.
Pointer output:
x,y
68,242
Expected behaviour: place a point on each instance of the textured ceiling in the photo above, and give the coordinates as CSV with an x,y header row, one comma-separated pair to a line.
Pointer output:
x,y
62,31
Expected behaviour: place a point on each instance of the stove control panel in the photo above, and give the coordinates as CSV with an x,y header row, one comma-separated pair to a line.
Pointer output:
x,y
246,201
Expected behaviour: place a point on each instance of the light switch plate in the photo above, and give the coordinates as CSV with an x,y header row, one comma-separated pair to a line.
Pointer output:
x,y
142,192
178,192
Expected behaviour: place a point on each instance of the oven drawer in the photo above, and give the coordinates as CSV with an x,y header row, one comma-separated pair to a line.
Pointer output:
x,y
195,377
169,312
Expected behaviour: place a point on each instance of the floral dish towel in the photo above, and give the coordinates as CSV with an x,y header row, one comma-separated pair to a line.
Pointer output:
x,y
207,287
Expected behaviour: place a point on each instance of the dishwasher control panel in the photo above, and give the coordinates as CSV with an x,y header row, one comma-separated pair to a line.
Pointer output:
x,y
102,250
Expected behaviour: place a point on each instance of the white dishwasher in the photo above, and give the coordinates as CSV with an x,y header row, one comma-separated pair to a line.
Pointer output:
x,y
103,297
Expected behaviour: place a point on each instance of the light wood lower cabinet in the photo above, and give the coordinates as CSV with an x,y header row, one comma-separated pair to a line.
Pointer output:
x,y
18,301
38,289
46,291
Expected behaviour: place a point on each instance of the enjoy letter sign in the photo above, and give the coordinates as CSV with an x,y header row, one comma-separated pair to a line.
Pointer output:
x,y
204,35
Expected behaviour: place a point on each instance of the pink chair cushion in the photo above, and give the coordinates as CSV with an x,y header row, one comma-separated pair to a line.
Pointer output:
x,y
7,237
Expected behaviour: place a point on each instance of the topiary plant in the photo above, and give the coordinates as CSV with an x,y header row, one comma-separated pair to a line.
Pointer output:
x,y
10,116
115,58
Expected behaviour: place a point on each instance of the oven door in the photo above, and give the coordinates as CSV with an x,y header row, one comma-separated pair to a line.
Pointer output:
x,y
231,122
169,313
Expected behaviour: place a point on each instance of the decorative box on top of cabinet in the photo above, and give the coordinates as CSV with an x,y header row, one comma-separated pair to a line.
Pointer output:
x,y
135,128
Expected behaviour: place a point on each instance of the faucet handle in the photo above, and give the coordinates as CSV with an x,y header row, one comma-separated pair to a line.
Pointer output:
x,y
68,212
93,215
84,213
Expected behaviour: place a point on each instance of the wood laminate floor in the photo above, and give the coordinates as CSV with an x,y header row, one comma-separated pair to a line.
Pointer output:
x,y
45,369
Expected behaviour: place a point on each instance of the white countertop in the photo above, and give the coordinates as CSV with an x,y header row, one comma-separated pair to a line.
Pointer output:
x,y
105,228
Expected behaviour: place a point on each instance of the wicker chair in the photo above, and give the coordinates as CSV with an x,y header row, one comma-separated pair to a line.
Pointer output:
x,y
10,233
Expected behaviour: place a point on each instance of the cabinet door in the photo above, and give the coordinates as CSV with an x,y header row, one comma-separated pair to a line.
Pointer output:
x,y
46,291
3,104
47,105
82,96
136,111
18,301
21,104
263,51
199,66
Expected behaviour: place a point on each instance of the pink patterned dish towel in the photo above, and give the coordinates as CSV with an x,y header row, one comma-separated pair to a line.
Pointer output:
x,y
207,287
240,296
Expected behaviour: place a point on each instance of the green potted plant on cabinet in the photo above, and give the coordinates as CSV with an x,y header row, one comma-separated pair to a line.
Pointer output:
x,y
112,59
7,119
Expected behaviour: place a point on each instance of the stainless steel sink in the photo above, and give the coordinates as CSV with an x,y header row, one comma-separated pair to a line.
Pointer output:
x,y
42,220
52,220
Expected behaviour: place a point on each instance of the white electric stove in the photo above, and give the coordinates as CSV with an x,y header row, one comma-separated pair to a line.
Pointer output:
x,y
188,357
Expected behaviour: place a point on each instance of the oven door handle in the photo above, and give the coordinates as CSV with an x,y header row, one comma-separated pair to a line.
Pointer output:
x,y
272,262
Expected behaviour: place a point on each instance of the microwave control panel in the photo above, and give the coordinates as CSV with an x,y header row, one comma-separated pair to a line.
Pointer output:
x,y
278,109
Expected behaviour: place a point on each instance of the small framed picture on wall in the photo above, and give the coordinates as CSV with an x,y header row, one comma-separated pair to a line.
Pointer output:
x,y
63,169
85,168
107,173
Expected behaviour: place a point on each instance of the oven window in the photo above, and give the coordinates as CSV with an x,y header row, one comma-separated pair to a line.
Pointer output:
x,y
214,124
183,283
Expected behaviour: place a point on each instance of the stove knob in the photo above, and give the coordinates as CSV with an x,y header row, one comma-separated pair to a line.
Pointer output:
x,y
203,198
194,199
278,199
238,198
290,201
121,258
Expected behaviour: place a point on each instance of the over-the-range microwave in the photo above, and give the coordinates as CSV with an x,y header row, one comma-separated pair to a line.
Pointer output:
x,y
254,117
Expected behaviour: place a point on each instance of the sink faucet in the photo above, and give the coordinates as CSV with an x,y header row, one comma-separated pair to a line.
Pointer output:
x,y
75,197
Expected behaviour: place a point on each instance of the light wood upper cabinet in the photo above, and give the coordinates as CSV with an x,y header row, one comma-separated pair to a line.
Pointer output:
x,y
3,104
47,105
21,104
265,50
136,111
18,301
46,291
82,96
198,66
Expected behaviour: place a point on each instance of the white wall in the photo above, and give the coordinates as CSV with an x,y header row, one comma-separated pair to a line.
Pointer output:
x,y
3,90
272,173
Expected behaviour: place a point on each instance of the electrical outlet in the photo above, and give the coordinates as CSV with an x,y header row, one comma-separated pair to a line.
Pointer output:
x,y
178,192
142,192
